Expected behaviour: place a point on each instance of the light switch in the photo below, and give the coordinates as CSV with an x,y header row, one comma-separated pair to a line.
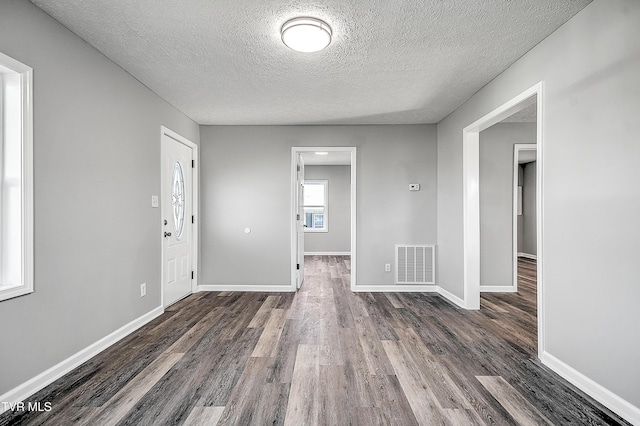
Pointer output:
x,y
414,187
154,201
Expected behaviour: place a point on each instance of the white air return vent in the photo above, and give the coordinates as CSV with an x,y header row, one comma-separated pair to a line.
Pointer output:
x,y
415,264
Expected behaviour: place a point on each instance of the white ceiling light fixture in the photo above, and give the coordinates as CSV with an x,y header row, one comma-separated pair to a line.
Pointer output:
x,y
306,35
322,153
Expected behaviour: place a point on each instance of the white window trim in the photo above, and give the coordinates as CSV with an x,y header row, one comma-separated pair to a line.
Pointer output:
x,y
27,243
324,182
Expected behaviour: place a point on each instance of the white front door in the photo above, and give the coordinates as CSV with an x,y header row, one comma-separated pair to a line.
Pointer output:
x,y
300,221
177,208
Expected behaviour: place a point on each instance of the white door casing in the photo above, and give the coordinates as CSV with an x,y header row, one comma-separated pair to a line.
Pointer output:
x,y
471,201
297,238
176,211
517,149
300,221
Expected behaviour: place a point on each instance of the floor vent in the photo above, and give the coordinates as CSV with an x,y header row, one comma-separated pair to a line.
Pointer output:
x,y
415,264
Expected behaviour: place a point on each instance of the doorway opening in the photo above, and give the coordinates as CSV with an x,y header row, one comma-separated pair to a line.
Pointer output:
x,y
524,209
330,175
471,202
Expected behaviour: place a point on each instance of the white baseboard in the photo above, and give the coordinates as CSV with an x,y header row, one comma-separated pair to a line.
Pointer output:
x,y
621,407
498,289
411,289
396,288
452,297
327,253
28,388
251,288
528,256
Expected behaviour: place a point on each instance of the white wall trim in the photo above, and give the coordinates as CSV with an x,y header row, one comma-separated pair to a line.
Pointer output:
x,y
451,298
409,288
517,149
359,289
37,383
327,253
471,199
539,218
615,403
294,154
471,218
325,229
471,189
27,242
528,256
251,288
498,289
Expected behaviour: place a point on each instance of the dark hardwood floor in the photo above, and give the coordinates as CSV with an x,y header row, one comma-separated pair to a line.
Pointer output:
x,y
324,356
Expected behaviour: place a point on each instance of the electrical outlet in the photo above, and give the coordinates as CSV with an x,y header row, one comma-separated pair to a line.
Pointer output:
x,y
143,289
387,267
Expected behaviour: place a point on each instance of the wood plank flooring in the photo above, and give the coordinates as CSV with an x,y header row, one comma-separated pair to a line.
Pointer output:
x,y
324,356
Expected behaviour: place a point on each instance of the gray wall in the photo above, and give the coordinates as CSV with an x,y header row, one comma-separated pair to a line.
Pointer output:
x,y
527,240
338,237
496,199
591,72
97,163
246,182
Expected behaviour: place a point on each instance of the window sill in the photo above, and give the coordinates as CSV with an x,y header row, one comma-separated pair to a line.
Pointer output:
x,y
7,292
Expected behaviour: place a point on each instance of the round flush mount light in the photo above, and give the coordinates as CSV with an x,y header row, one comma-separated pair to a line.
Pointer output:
x,y
306,34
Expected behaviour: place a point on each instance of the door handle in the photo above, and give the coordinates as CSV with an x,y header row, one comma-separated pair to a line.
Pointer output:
x,y
167,234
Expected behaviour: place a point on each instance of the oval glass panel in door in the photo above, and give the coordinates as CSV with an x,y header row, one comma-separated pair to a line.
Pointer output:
x,y
177,199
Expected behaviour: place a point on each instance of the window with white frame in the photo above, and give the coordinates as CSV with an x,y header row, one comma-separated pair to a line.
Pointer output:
x,y
16,179
316,209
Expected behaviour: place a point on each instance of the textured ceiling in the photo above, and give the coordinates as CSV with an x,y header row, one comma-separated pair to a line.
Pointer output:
x,y
390,62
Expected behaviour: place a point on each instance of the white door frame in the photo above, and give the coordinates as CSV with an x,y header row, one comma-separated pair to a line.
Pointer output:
x,y
471,198
195,208
300,237
517,149
295,151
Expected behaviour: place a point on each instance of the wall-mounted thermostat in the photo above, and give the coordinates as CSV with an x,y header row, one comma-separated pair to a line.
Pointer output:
x,y
414,187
